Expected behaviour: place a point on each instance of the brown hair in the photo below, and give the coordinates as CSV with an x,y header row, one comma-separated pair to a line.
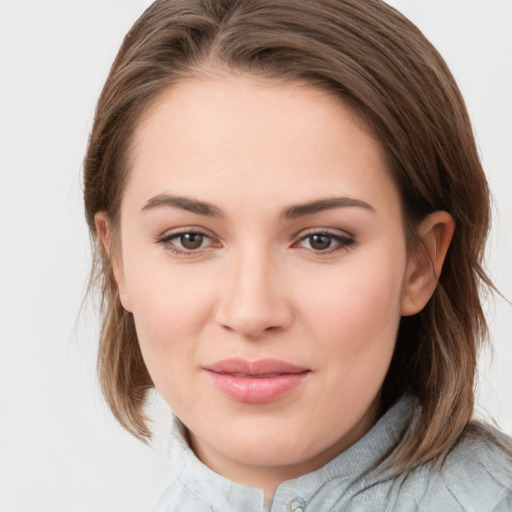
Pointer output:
x,y
369,55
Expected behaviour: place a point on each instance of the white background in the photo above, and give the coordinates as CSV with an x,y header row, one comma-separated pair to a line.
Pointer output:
x,y
60,450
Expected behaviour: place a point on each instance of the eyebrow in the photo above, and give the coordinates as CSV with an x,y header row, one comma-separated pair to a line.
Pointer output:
x,y
185,203
320,205
292,212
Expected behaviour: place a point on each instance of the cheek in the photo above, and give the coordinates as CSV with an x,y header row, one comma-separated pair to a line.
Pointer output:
x,y
168,327
170,309
163,315
357,301
354,321
355,327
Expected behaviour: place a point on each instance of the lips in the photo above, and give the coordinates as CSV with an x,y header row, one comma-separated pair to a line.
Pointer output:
x,y
255,382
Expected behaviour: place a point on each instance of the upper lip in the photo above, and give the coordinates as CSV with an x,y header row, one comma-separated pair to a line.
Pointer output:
x,y
242,367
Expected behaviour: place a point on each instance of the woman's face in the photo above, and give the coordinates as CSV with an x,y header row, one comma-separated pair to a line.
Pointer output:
x,y
264,260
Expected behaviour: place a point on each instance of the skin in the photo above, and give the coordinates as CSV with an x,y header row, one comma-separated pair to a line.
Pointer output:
x,y
259,286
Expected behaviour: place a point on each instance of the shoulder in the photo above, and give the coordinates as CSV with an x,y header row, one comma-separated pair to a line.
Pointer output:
x,y
476,476
482,448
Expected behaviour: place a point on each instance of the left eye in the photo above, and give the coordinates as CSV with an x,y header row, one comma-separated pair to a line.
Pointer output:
x,y
325,242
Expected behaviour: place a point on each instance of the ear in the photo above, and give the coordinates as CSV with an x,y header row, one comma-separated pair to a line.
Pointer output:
x,y
104,231
425,263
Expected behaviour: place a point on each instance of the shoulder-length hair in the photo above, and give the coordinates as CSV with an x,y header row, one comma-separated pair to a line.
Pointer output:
x,y
374,60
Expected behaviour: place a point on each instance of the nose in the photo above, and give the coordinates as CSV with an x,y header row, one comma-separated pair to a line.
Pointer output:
x,y
254,300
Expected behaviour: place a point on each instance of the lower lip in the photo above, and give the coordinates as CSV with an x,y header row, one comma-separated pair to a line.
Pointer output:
x,y
256,390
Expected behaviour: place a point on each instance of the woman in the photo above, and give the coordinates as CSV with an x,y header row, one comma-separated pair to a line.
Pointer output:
x,y
291,214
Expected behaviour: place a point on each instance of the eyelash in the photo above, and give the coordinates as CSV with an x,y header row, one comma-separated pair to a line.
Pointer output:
x,y
342,242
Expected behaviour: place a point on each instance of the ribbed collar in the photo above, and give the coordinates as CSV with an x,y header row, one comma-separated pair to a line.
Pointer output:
x,y
219,493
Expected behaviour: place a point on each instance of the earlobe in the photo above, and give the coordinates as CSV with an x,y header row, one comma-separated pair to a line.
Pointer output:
x,y
104,232
425,264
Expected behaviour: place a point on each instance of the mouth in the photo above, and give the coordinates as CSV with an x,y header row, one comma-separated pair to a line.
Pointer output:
x,y
255,382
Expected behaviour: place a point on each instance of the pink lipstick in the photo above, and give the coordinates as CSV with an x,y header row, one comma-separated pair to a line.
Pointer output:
x,y
255,382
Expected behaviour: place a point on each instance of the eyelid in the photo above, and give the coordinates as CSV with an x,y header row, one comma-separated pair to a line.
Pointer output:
x,y
182,230
323,231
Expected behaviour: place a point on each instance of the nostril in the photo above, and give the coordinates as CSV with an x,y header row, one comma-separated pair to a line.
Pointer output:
x,y
249,328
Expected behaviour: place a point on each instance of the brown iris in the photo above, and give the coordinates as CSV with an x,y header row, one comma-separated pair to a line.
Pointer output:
x,y
191,241
320,242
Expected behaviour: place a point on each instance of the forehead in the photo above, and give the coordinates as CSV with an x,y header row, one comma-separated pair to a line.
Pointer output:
x,y
237,138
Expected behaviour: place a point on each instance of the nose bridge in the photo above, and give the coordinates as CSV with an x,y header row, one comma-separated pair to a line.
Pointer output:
x,y
255,299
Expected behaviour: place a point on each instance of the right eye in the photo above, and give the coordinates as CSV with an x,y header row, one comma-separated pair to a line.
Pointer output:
x,y
185,242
